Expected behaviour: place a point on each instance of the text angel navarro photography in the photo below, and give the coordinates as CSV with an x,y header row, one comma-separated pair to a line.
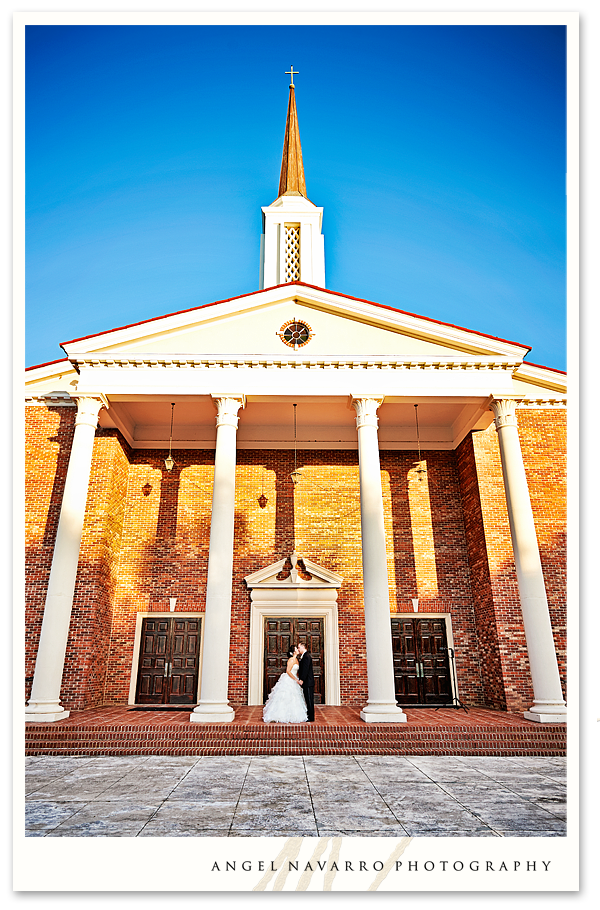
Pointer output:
x,y
359,865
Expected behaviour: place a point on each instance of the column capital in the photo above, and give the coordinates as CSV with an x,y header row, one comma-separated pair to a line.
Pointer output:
x,y
88,408
505,412
227,408
366,409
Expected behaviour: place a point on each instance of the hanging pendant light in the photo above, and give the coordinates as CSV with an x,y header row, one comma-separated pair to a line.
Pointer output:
x,y
296,474
262,499
169,462
420,469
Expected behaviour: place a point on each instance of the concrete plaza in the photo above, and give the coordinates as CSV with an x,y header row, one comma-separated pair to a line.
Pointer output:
x,y
312,795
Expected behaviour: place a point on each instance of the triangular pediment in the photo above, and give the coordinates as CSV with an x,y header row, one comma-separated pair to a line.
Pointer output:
x,y
297,572
244,334
340,326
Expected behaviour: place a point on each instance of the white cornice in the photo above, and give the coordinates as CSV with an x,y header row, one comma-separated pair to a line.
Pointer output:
x,y
132,361
60,399
541,402
291,204
542,376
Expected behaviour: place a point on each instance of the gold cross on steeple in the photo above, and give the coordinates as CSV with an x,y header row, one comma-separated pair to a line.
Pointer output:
x,y
292,74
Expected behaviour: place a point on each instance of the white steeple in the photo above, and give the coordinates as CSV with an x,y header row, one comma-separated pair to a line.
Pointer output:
x,y
292,246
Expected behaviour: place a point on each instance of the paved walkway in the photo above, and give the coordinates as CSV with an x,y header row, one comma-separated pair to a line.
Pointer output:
x,y
243,796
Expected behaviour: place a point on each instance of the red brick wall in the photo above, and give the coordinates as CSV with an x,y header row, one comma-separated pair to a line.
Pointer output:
x,y
543,435
48,444
164,552
447,539
505,662
166,536
475,451
431,556
49,433
84,678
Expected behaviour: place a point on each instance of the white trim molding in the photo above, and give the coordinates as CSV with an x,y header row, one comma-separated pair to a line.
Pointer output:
x,y
277,360
50,399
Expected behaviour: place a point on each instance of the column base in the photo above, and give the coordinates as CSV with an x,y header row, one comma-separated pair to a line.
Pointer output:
x,y
37,717
547,711
383,714
540,718
212,714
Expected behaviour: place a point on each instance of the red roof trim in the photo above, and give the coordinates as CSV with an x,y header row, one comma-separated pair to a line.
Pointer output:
x,y
49,363
540,366
383,306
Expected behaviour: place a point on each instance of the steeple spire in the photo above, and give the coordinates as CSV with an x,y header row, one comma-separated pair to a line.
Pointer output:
x,y
291,181
292,246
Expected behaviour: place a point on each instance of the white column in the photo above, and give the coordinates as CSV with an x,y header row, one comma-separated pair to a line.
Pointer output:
x,y
548,703
44,704
213,707
381,706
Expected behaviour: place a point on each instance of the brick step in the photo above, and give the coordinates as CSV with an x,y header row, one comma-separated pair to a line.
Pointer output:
x,y
249,740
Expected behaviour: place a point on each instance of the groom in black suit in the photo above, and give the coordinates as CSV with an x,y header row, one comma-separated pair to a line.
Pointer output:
x,y
307,679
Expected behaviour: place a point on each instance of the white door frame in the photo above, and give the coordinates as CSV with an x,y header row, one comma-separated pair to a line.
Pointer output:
x,y
294,597
135,661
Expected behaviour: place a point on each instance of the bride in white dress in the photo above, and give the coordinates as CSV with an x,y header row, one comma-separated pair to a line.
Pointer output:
x,y
286,704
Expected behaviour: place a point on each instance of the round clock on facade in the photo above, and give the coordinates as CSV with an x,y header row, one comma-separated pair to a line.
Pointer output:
x,y
295,334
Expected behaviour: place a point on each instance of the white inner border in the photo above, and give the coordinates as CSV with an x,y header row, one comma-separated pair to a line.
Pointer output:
x,y
96,863
135,661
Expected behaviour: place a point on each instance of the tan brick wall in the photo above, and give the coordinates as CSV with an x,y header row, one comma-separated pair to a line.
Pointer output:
x,y
543,436
166,536
505,662
84,678
49,433
146,538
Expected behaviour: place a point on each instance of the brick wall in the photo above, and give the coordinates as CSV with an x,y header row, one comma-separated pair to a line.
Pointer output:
x,y
146,537
166,536
505,663
543,435
84,676
49,433
48,444
165,549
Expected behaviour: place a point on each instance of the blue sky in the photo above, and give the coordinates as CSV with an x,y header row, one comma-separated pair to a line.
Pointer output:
x,y
438,153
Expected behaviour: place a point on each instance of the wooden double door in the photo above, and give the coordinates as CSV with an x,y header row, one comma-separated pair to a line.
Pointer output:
x,y
421,667
281,634
169,661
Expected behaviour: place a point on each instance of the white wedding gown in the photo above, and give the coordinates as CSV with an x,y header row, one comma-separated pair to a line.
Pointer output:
x,y
285,704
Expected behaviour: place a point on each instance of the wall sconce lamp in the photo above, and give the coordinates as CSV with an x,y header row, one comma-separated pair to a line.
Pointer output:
x,y
262,499
415,603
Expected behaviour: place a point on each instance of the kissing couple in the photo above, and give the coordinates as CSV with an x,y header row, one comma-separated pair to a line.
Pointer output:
x,y
292,698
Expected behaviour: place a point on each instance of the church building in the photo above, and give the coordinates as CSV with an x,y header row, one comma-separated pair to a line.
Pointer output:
x,y
209,486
